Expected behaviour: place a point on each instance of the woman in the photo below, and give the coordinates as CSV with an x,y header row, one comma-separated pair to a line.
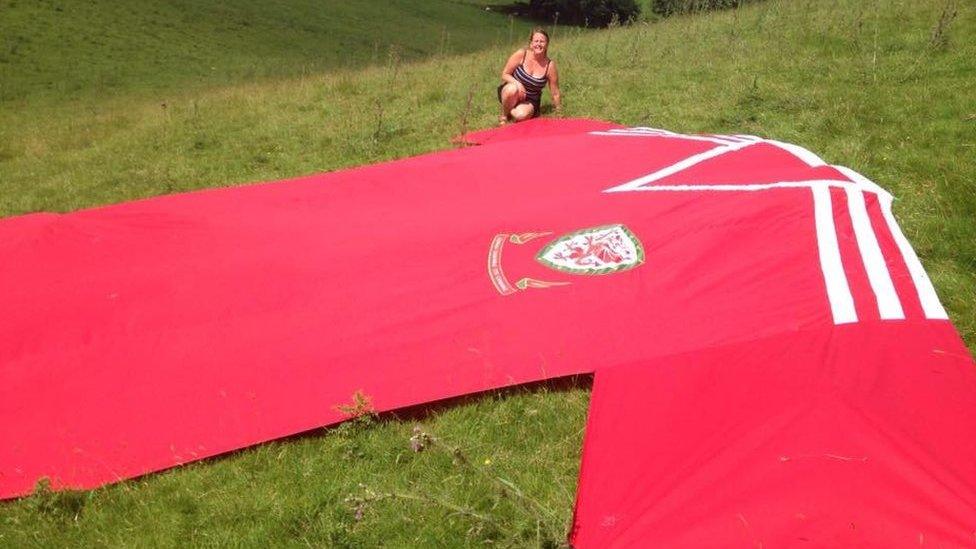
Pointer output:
x,y
527,71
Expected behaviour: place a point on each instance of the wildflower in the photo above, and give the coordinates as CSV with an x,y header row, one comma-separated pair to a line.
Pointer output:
x,y
420,439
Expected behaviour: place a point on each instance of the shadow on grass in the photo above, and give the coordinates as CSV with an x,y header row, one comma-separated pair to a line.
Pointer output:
x,y
425,411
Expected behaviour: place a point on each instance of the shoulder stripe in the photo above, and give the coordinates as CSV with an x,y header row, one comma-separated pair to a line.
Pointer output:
x,y
889,306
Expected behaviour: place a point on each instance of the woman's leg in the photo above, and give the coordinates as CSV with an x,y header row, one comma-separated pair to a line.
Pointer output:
x,y
509,97
523,111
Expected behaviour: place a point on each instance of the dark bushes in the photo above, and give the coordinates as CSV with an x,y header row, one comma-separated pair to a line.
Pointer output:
x,y
671,7
592,13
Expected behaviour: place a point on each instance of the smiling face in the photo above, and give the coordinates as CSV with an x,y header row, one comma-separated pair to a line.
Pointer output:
x,y
539,43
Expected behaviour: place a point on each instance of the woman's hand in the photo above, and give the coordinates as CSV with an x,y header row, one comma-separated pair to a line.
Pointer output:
x,y
521,88
508,78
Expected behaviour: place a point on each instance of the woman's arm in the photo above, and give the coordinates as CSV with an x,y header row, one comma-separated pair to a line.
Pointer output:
x,y
554,86
509,68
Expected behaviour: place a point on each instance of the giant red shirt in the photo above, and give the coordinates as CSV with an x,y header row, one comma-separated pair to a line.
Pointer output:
x,y
148,334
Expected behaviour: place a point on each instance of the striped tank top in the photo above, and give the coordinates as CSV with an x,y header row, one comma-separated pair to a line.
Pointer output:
x,y
533,86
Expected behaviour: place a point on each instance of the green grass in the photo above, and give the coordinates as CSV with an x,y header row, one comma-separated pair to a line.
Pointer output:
x,y
499,468
863,84
73,48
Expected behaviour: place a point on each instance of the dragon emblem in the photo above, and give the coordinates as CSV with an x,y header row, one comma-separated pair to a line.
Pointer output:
x,y
594,251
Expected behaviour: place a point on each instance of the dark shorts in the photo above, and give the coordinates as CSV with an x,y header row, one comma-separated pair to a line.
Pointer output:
x,y
535,104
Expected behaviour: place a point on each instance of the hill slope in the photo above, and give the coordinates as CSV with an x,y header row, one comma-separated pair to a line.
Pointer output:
x,y
66,48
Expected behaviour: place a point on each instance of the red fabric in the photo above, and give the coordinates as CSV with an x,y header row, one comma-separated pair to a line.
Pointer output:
x,y
149,334
851,436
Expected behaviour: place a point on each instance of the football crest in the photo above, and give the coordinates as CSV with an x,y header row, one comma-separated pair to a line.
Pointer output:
x,y
594,251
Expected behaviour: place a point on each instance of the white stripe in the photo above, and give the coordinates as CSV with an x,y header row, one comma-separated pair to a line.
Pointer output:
x,y
625,133
676,167
863,182
732,138
838,291
805,155
748,187
889,307
926,291
640,130
649,129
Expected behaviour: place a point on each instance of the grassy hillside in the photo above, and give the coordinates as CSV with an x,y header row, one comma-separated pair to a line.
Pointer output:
x,y
68,48
880,86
